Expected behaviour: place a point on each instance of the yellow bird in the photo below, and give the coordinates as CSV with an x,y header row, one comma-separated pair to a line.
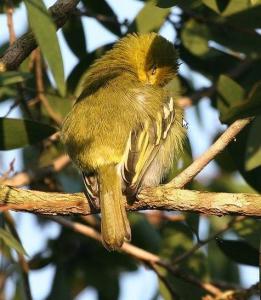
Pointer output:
x,y
125,130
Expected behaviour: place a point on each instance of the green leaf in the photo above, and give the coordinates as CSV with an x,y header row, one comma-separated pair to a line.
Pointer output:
x,y
150,18
249,18
238,153
44,30
177,238
226,7
195,36
239,251
16,133
76,42
11,241
224,159
253,147
12,77
230,93
249,229
58,104
231,37
144,234
219,265
7,92
232,102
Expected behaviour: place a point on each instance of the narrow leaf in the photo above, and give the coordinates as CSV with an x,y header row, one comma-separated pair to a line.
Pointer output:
x,y
11,241
75,41
104,14
44,30
16,133
12,77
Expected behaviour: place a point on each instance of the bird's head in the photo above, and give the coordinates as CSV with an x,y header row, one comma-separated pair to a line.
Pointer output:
x,y
151,57
148,57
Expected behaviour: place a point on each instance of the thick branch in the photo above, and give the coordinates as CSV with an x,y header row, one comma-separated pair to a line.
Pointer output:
x,y
23,46
161,198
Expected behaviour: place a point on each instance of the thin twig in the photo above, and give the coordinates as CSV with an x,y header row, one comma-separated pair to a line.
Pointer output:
x,y
191,171
10,23
201,243
26,178
175,271
165,281
139,254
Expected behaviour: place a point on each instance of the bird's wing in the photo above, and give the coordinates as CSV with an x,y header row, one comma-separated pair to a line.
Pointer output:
x,y
91,188
143,145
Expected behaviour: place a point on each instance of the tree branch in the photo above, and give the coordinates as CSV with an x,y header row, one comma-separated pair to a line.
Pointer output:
x,y
140,254
23,46
161,198
191,171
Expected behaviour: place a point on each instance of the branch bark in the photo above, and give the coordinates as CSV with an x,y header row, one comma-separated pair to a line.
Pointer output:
x,y
23,46
161,198
191,171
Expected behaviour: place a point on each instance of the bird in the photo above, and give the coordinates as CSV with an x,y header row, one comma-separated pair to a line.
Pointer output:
x,y
125,130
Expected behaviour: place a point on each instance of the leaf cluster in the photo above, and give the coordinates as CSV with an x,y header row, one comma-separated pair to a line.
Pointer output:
x,y
216,39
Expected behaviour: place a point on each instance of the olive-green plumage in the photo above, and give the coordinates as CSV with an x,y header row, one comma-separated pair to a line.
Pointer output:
x,y
124,130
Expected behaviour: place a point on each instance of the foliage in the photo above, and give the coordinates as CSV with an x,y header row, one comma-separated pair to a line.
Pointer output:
x,y
216,39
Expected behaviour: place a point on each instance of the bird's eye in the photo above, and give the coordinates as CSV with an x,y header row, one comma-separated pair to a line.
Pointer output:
x,y
153,70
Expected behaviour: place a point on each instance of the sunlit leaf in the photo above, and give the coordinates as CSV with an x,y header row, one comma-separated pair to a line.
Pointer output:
x,y
16,133
58,104
150,18
44,30
233,103
195,36
230,93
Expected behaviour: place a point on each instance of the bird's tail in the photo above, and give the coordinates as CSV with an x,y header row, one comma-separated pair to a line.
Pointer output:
x,y
115,226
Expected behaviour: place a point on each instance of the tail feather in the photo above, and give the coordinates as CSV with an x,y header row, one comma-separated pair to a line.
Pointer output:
x,y
115,226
